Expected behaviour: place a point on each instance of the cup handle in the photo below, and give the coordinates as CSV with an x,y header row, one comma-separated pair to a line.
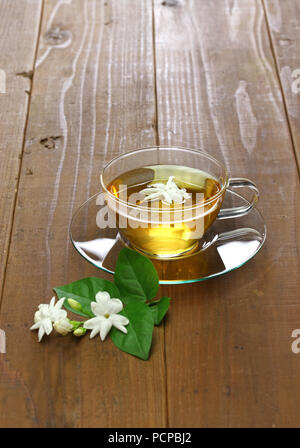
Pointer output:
x,y
238,182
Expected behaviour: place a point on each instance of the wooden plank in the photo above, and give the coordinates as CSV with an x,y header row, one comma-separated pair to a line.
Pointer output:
x,y
228,340
19,25
93,98
283,25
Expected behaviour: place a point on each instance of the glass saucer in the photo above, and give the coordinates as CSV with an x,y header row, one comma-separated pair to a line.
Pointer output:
x,y
231,243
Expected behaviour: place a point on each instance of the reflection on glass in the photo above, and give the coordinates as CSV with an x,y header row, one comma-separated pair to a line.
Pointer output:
x,y
235,253
96,249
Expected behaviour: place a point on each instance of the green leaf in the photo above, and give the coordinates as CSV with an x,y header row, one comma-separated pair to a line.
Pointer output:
x,y
84,291
159,309
138,339
135,276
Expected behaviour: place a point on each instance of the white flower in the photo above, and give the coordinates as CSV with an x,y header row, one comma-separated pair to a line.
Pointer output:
x,y
46,315
168,192
105,310
63,326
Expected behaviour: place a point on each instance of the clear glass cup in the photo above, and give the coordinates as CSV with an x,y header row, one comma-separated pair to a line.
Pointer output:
x,y
176,232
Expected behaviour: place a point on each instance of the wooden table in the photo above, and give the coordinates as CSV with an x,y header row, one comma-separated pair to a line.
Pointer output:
x,y
87,80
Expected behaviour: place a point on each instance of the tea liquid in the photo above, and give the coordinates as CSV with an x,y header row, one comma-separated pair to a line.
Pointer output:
x,y
170,231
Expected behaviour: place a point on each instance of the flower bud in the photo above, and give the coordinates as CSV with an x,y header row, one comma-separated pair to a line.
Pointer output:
x,y
63,326
80,331
74,305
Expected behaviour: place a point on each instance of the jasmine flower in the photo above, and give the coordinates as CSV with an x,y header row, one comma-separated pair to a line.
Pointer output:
x,y
46,315
63,326
106,311
167,193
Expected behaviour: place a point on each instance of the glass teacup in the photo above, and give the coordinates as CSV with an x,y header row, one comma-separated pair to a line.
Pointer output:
x,y
165,199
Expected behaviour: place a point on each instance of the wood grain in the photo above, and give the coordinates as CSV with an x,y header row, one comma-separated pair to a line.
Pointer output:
x,y
283,25
108,78
19,25
228,340
93,98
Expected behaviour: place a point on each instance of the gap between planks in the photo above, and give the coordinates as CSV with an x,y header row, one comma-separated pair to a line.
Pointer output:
x,y
276,65
157,143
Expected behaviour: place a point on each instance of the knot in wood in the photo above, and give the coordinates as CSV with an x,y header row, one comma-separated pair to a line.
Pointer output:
x,y
171,2
57,36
